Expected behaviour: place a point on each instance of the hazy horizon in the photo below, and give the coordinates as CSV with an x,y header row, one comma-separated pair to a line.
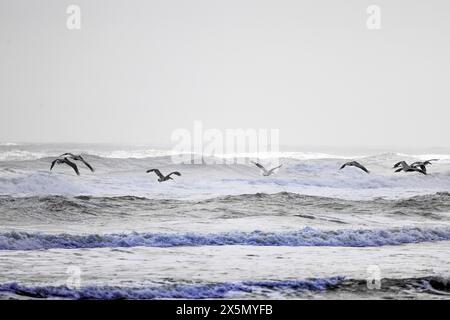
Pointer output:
x,y
336,150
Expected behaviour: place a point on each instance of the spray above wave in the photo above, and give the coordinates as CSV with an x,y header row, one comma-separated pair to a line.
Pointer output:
x,y
8,144
13,152
128,178
305,237
120,172
177,291
22,152
16,152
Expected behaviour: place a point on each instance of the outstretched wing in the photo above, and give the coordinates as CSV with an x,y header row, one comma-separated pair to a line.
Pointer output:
x,y
357,164
258,165
67,154
398,164
175,173
158,173
423,167
53,164
87,164
343,166
73,165
273,169
401,163
419,170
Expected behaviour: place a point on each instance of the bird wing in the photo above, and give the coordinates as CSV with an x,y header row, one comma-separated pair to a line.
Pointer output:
x,y
73,165
415,169
357,164
53,164
175,173
422,166
158,173
404,164
397,164
343,166
86,164
420,170
273,169
259,165
67,154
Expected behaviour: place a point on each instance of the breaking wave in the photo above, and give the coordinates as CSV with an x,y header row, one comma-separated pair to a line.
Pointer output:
x,y
24,171
294,288
305,237
177,291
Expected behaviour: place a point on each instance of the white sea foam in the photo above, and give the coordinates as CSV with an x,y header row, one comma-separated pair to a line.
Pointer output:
x,y
251,233
118,177
24,170
21,155
8,144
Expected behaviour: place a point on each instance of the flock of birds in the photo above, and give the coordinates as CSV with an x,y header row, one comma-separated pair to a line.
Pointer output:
x,y
64,159
418,166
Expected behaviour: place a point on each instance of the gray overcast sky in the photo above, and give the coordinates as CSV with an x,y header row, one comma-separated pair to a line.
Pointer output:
x,y
137,70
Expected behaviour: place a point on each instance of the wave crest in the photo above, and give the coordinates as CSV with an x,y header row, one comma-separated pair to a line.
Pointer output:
x,y
434,285
305,237
177,291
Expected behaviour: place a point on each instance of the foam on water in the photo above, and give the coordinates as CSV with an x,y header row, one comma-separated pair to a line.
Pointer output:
x,y
127,177
217,204
177,291
433,286
305,237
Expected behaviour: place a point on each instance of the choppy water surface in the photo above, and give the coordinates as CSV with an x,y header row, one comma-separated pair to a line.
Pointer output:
x,y
220,230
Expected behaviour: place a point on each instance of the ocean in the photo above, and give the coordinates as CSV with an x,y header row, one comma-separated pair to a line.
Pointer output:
x,y
221,230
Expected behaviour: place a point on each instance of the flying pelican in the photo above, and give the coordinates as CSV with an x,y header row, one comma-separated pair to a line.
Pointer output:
x,y
403,166
423,164
266,172
416,164
354,164
163,178
66,161
77,158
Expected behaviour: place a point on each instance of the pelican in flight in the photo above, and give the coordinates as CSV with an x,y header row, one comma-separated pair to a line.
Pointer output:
x,y
266,172
354,164
403,166
161,177
77,158
65,161
423,164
